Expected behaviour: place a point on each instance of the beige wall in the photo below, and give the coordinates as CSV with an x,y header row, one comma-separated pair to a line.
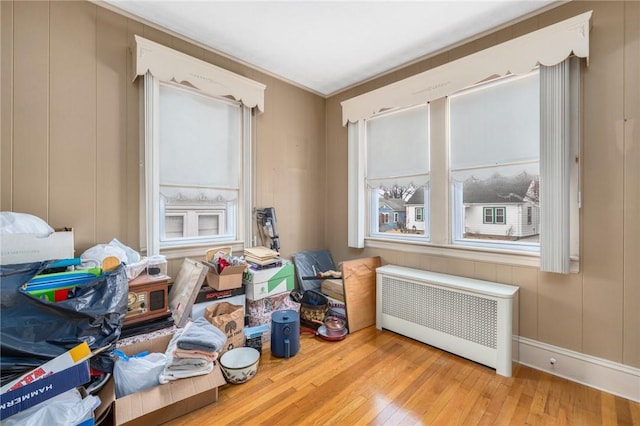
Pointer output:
x,y
70,153
597,311
71,127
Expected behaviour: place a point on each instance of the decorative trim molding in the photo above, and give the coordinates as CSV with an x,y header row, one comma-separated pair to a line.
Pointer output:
x,y
167,64
608,376
547,46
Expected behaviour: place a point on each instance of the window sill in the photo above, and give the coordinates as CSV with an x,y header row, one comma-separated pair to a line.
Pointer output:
x,y
474,254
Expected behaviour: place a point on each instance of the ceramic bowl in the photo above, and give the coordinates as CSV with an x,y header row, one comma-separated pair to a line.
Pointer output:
x,y
239,364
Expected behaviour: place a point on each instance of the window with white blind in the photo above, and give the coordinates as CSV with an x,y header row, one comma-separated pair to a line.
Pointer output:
x,y
200,166
197,152
397,172
494,140
503,140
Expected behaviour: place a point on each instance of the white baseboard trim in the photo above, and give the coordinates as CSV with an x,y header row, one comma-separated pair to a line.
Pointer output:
x,y
612,377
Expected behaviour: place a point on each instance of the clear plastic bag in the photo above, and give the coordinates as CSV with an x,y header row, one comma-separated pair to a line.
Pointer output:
x,y
138,372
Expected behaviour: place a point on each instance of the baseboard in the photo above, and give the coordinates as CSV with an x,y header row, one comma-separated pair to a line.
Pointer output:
x,y
617,379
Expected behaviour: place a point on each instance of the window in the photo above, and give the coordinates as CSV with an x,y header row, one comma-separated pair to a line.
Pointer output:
x,y
494,140
197,152
200,145
501,152
397,146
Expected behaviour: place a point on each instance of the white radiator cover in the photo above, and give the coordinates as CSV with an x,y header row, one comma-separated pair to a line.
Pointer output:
x,y
468,317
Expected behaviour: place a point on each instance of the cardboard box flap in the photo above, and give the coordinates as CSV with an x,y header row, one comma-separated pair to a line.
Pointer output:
x,y
185,289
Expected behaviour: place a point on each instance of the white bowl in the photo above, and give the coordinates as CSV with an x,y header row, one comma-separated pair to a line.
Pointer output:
x,y
240,364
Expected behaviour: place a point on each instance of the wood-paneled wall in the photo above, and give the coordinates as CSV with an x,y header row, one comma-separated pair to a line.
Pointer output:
x,y
596,311
71,127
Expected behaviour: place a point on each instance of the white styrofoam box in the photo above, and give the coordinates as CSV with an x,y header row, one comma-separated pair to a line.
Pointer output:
x,y
25,248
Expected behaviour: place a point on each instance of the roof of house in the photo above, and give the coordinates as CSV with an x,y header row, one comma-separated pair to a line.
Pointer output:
x,y
393,203
500,189
416,198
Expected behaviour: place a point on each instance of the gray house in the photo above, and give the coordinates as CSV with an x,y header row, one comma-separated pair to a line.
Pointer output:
x,y
391,214
416,212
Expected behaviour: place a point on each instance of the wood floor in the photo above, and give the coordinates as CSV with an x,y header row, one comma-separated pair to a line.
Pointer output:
x,y
378,377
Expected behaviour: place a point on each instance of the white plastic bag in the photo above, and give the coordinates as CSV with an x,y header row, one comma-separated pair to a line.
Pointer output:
x,y
68,408
138,372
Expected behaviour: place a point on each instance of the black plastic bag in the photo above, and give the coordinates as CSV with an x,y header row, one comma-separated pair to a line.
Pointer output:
x,y
34,331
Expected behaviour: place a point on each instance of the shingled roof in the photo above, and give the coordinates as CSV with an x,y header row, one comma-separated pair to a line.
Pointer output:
x,y
500,189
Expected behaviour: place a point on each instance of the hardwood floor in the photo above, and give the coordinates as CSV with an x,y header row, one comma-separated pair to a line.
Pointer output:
x,y
378,377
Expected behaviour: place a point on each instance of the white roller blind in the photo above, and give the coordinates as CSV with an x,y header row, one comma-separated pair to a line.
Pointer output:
x,y
398,148
496,124
186,120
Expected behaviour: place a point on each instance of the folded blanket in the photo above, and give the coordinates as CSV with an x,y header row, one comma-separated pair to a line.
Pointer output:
x,y
180,353
180,368
201,335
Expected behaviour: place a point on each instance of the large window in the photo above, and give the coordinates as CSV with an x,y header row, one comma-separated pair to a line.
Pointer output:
x,y
503,145
197,152
397,176
494,140
200,166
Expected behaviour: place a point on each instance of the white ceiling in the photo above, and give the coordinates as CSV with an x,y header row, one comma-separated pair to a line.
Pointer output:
x,y
327,46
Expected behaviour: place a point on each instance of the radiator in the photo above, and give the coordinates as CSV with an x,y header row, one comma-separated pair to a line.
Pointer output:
x,y
467,317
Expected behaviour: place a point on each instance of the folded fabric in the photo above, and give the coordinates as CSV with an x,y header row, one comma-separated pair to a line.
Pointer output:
x,y
201,335
170,375
180,368
181,353
187,364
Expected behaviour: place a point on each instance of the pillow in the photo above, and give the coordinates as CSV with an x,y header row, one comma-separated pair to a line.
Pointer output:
x,y
23,223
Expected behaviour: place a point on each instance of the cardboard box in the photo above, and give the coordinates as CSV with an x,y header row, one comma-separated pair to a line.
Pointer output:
x,y
229,278
25,248
163,402
268,282
43,388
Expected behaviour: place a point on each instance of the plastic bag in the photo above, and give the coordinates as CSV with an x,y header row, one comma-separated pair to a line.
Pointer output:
x,y
68,408
136,373
33,331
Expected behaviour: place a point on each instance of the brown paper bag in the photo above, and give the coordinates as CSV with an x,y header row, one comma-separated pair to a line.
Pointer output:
x,y
229,319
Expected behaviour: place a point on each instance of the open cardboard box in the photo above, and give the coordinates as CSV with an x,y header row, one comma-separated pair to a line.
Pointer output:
x,y
163,402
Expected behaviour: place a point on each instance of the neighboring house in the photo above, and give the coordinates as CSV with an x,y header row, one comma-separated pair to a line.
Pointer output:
x,y
502,207
391,214
416,212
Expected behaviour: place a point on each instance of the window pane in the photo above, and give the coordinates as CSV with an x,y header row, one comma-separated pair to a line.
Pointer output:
x,y
397,146
199,164
494,145
199,139
496,123
208,225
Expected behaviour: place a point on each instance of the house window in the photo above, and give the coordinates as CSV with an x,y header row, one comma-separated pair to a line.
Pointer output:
x,y
495,215
200,168
494,140
384,218
529,215
397,162
197,152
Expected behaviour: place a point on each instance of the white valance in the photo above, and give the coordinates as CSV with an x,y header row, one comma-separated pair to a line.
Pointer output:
x,y
167,64
547,46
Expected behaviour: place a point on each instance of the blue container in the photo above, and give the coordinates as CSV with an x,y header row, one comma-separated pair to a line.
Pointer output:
x,y
285,333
